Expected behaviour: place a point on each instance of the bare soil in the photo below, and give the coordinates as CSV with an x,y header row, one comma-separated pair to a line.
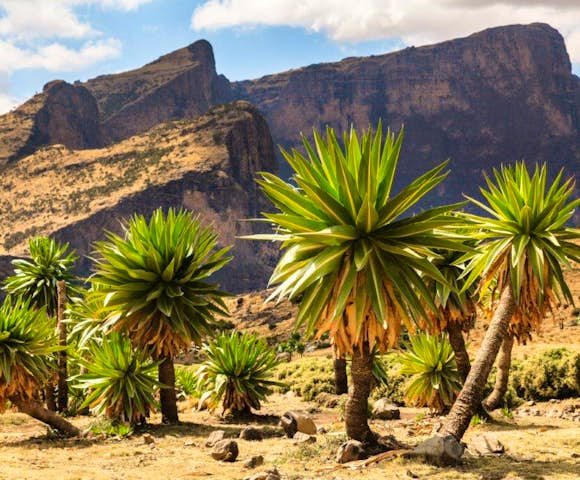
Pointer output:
x,y
537,447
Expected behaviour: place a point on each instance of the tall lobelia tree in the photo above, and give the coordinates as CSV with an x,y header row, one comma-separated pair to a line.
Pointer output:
x,y
38,279
153,282
353,251
522,246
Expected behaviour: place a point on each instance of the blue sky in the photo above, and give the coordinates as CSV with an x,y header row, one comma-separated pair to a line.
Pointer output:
x,y
41,40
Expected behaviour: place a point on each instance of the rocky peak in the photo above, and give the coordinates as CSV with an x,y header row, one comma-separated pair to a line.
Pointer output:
x,y
500,95
62,114
178,85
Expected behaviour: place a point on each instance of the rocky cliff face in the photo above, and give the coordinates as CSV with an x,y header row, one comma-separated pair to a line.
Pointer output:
x,y
500,95
182,84
62,114
206,165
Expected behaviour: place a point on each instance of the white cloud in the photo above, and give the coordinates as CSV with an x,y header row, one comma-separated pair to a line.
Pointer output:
x,y
416,22
52,35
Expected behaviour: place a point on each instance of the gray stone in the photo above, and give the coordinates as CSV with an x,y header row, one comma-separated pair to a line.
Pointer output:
x,y
225,451
293,422
254,462
284,357
485,444
300,437
269,474
385,410
148,439
350,451
440,451
214,437
321,430
251,434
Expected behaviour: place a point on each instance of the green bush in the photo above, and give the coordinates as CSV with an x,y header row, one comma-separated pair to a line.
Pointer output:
x,y
553,373
237,372
307,377
186,381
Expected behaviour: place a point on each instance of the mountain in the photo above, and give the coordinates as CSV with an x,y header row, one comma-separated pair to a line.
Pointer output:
x,y
63,113
78,158
206,165
178,85
497,96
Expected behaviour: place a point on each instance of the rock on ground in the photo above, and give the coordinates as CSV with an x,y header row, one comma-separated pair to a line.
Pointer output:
x,y
269,474
385,410
252,434
440,451
214,437
293,422
350,451
254,462
486,444
225,451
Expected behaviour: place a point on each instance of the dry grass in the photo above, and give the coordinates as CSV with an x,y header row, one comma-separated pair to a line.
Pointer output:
x,y
536,448
57,187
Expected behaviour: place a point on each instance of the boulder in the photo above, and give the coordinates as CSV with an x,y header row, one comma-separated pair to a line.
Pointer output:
x,y
385,410
254,462
251,434
293,422
486,444
225,451
350,451
214,437
440,451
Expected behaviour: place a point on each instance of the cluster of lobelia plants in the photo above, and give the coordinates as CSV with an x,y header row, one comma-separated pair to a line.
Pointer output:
x,y
359,259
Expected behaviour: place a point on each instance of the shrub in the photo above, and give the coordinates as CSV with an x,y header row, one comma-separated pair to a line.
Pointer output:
x,y
553,373
186,382
434,378
237,372
121,380
307,377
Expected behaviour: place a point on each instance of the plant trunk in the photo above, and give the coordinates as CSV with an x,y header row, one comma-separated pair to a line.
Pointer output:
x,y
458,344
471,394
36,410
49,394
340,378
356,412
504,361
167,395
62,404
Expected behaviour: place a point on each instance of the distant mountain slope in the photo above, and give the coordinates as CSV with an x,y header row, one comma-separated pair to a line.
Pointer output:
x,y
500,95
206,165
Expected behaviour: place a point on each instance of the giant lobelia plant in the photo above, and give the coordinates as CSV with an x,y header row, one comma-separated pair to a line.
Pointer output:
x,y
153,282
353,251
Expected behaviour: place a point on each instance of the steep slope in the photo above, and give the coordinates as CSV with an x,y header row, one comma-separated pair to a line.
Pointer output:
x,y
178,85
500,95
61,114
206,165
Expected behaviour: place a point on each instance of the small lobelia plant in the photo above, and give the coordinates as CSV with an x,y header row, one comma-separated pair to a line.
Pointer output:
x,y
120,380
237,372
434,377
27,345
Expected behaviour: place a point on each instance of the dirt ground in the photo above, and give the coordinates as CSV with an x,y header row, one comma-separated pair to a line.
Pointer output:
x,y
538,447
